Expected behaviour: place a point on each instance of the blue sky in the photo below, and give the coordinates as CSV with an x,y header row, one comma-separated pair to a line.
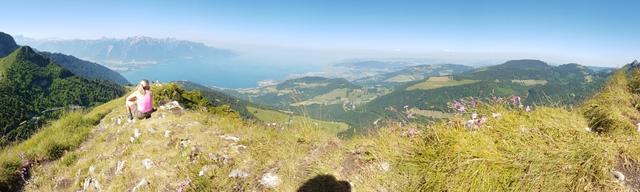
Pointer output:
x,y
604,33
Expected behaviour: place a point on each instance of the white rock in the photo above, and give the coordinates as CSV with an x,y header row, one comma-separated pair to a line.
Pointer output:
x,y
225,159
86,184
132,139
136,133
147,163
96,185
384,166
92,169
118,121
237,173
184,143
202,171
142,183
619,176
270,180
238,148
470,124
496,115
638,127
119,167
171,105
588,129
167,133
230,138
474,116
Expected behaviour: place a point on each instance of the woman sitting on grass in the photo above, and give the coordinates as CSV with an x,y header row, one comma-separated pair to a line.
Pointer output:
x,y
140,102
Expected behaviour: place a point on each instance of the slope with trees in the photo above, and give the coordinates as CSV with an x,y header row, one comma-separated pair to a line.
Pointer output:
x,y
33,88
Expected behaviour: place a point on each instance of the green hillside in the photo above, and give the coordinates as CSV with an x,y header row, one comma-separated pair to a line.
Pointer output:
x,y
311,90
282,120
82,68
438,82
413,73
219,98
427,99
33,87
535,81
264,114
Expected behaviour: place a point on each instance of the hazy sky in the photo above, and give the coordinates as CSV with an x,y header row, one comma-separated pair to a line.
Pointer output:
x,y
588,32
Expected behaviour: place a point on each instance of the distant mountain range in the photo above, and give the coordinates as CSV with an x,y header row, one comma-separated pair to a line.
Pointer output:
x,y
124,54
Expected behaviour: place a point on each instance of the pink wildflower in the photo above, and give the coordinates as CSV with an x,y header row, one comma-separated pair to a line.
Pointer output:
x,y
459,107
183,185
412,132
474,102
515,101
482,120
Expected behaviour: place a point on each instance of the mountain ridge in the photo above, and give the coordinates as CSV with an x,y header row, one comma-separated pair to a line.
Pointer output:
x,y
117,51
7,44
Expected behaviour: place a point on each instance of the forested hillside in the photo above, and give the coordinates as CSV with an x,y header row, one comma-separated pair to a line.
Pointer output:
x,y
33,88
533,81
82,68
218,98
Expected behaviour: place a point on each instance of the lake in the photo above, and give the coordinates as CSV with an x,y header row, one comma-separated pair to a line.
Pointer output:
x,y
227,72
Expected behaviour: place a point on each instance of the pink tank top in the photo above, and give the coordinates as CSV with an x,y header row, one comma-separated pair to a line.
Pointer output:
x,y
145,104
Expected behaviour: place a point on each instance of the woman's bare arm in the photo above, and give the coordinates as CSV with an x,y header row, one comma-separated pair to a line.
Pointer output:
x,y
132,97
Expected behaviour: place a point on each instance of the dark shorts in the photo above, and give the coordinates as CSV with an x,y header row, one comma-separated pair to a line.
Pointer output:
x,y
140,115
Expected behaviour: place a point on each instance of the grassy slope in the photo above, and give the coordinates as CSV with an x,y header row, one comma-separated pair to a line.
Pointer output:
x,y
548,149
426,85
270,116
50,142
295,155
613,109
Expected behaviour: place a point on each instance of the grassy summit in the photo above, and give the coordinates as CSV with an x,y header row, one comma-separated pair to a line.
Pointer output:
x,y
591,148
